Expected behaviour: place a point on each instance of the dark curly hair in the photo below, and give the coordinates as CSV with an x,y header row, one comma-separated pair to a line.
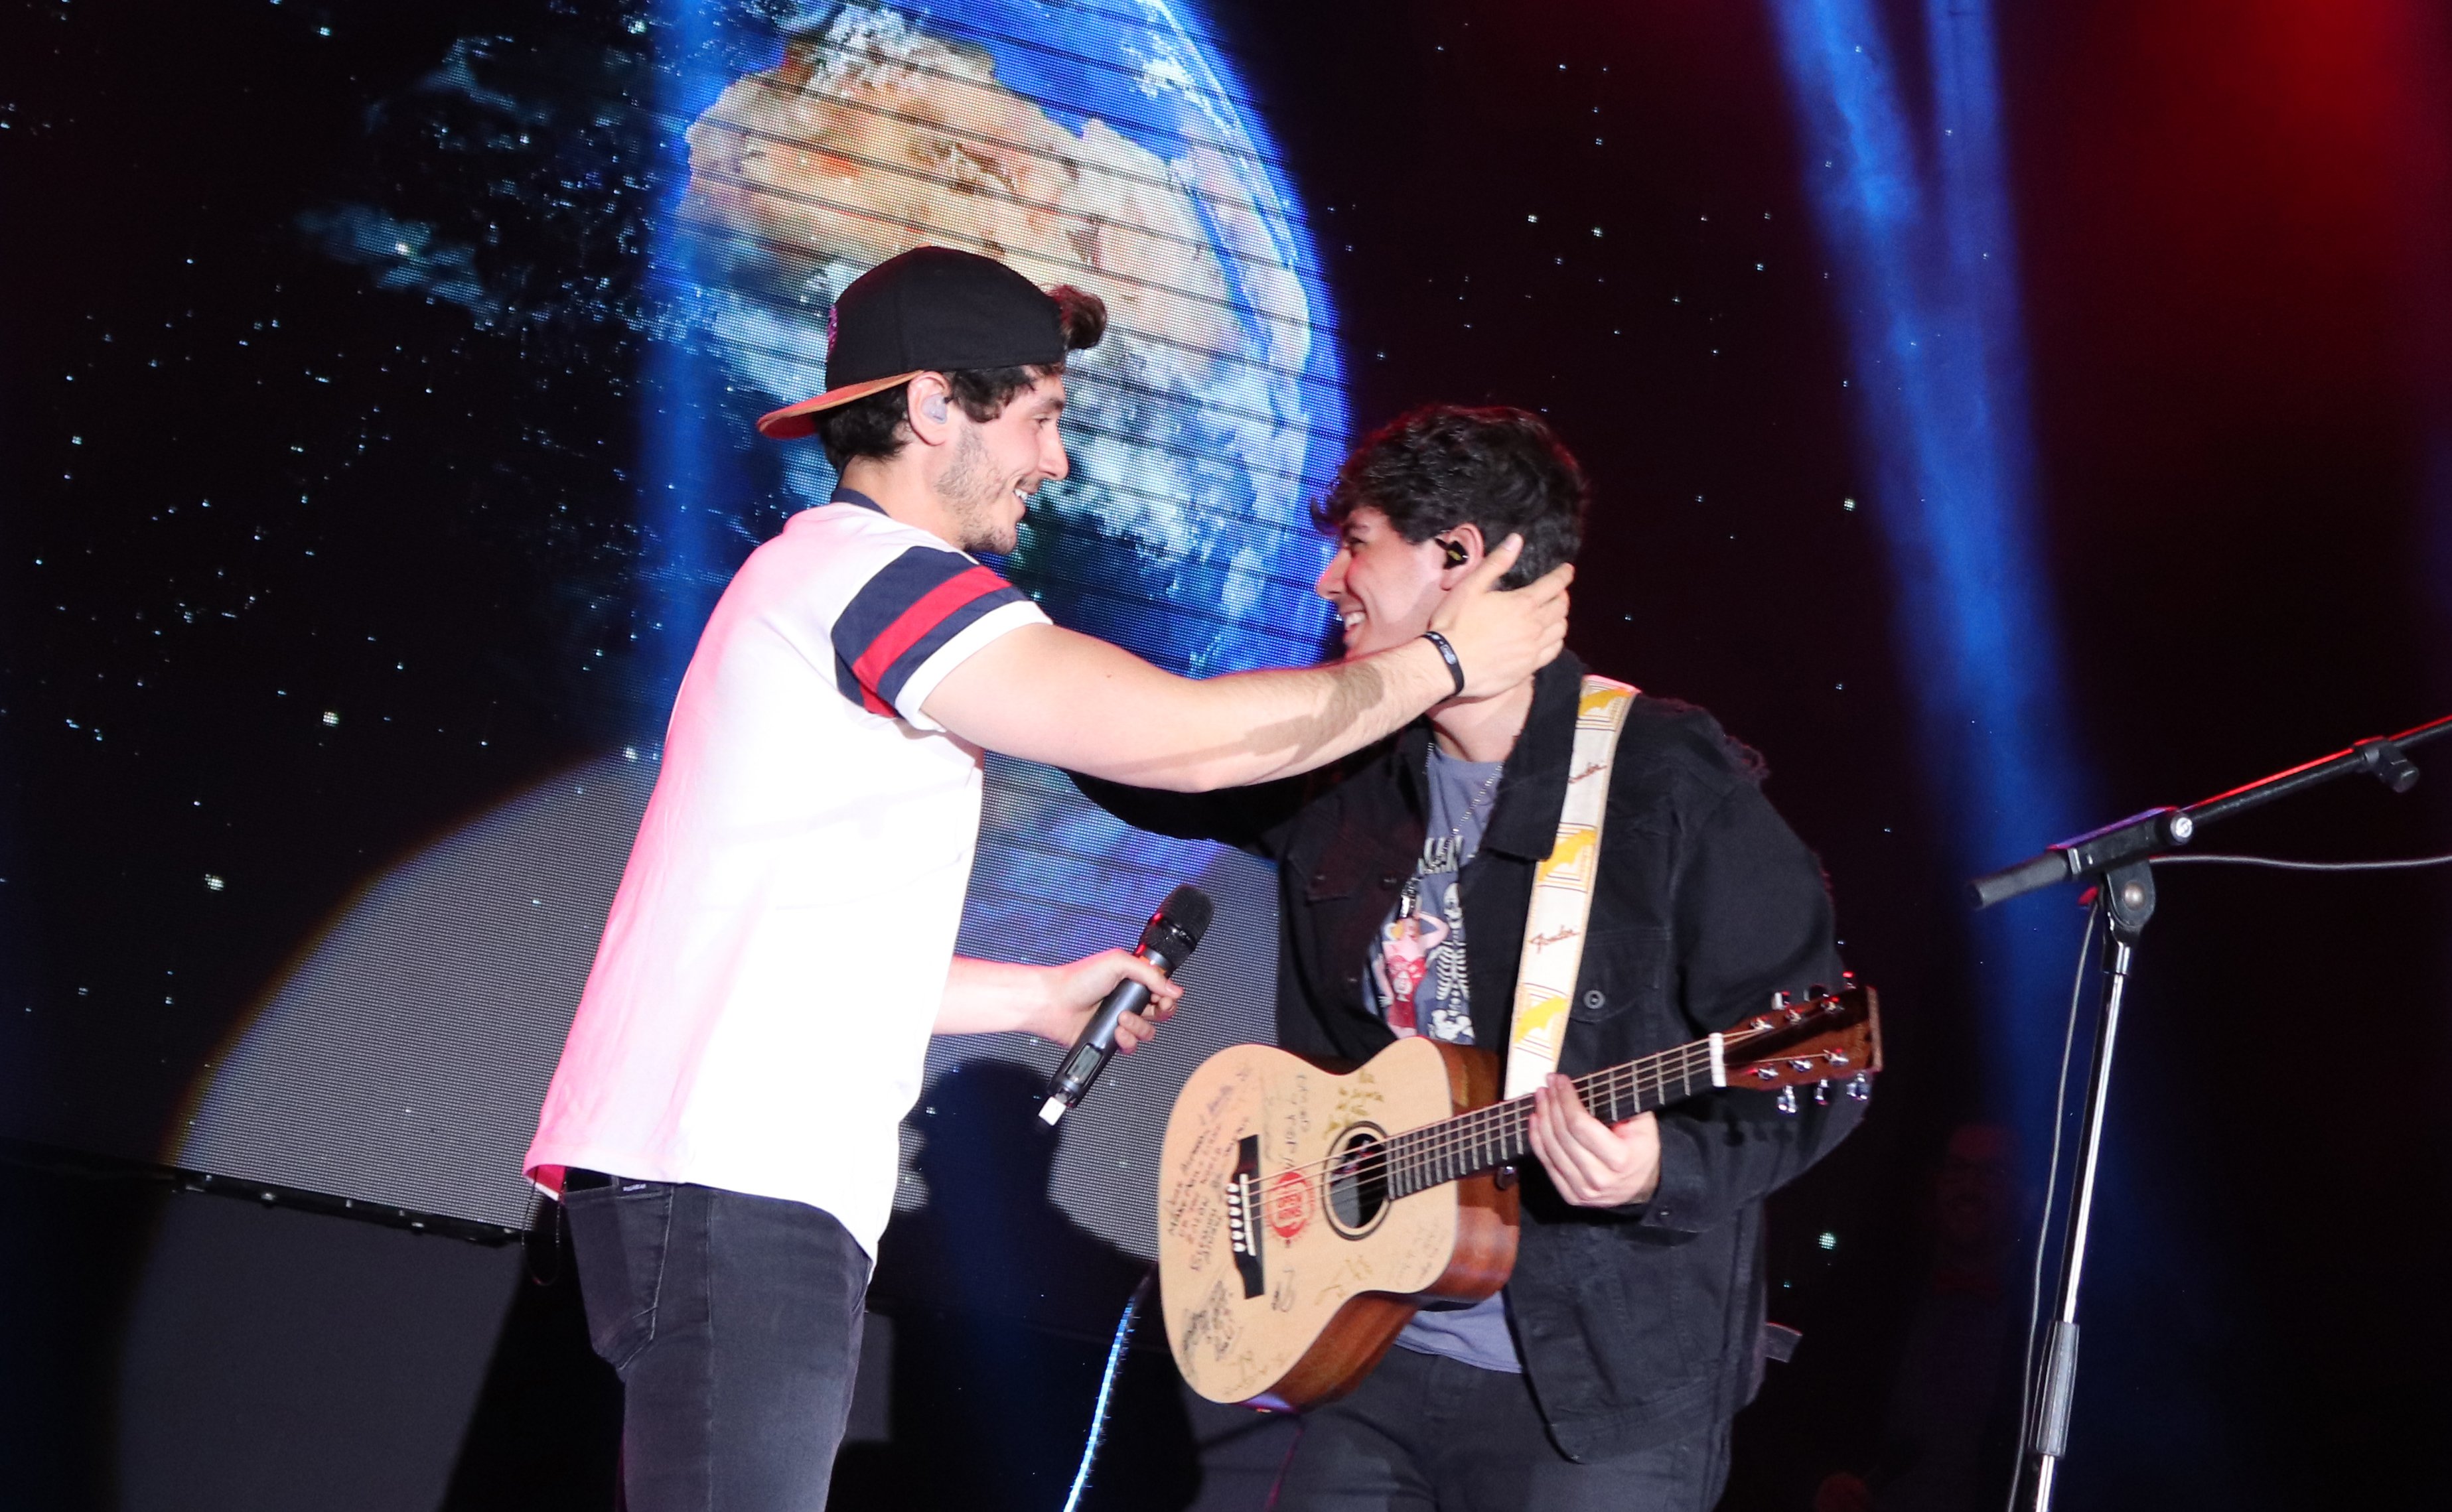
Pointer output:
x,y
878,424
1443,466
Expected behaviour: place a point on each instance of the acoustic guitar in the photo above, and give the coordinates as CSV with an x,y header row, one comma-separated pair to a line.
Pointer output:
x,y
1304,1216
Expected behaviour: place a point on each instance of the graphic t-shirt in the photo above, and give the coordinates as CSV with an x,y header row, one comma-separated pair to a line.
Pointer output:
x,y
1418,962
1417,984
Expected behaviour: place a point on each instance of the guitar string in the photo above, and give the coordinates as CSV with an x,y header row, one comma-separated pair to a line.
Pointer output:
x,y
1468,1128
1608,1084
1463,1131
1513,1116
1467,1134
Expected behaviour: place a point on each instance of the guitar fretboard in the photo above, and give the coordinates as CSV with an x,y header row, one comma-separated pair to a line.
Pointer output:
x,y
1492,1137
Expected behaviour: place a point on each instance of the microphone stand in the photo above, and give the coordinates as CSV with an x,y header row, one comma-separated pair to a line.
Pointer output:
x,y
2117,861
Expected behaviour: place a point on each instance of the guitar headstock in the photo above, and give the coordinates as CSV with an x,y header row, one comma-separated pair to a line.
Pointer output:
x,y
1828,1037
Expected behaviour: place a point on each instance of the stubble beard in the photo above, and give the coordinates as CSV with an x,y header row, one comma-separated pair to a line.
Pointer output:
x,y
970,491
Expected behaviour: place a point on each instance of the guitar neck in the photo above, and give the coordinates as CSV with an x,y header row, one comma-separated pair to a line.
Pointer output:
x,y
1495,1135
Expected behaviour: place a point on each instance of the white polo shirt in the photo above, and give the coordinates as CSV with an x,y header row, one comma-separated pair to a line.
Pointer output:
x,y
759,1008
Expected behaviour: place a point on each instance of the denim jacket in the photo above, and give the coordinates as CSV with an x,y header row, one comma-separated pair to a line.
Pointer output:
x,y
1641,1325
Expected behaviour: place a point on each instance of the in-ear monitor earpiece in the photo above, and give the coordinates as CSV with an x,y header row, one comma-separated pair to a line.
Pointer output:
x,y
1455,551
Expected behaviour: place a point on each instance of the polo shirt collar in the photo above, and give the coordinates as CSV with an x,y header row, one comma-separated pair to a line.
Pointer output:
x,y
852,496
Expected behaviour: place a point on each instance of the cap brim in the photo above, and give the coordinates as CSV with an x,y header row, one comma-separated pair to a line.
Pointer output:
x,y
795,420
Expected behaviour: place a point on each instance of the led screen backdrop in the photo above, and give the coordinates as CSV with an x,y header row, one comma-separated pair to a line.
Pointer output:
x,y
617,240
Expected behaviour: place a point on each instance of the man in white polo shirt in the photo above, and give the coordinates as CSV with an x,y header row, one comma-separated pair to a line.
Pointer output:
x,y
722,1127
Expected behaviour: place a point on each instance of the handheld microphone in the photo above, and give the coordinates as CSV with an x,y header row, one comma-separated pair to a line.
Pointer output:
x,y
1173,933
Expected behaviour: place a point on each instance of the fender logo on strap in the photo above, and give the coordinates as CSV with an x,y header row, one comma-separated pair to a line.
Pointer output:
x,y
1563,885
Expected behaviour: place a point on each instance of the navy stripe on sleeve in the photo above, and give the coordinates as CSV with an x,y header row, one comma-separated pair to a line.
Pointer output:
x,y
889,683
906,613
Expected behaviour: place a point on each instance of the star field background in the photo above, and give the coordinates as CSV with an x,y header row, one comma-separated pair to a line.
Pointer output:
x,y
334,564
314,569
303,572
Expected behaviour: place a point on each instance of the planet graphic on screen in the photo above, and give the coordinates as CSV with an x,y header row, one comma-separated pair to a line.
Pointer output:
x,y
732,167
1094,147
1195,427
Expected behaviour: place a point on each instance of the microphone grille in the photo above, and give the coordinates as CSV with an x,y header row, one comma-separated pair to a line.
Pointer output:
x,y
1190,908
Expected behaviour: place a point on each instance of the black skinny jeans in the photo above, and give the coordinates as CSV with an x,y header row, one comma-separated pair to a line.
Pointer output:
x,y
734,1324
1424,1433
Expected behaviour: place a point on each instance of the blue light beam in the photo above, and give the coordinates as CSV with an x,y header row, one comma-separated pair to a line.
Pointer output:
x,y
1917,221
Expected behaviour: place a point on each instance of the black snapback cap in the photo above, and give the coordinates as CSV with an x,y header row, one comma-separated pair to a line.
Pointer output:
x,y
930,309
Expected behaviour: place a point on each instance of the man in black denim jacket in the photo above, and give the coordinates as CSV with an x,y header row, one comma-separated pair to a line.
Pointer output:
x,y
1635,1307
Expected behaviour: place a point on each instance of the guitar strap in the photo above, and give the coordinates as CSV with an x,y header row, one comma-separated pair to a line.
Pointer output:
x,y
1562,891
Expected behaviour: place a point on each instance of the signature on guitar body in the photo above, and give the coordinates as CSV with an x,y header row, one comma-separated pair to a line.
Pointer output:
x,y
1303,1215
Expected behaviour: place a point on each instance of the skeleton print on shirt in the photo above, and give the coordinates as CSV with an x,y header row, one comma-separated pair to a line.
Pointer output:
x,y
1418,962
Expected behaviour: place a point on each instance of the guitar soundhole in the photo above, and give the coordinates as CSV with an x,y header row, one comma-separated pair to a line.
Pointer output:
x,y
1357,1180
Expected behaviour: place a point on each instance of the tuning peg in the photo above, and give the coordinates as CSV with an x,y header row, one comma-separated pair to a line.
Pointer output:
x,y
1787,1099
1860,1086
1821,1094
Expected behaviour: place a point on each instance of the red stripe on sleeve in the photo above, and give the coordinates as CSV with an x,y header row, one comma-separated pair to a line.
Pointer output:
x,y
922,616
